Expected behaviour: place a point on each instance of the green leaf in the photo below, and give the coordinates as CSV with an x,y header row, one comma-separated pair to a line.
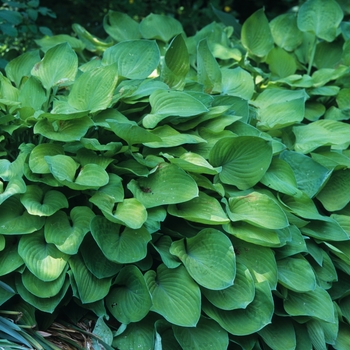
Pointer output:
x,y
63,130
171,138
37,162
132,133
246,321
14,186
138,334
67,233
128,62
97,263
203,209
43,259
257,209
93,90
120,26
16,221
167,103
309,174
47,305
237,82
316,303
207,334
256,34
208,257
244,160
208,70
48,42
130,213
343,337
176,64
253,234
335,195
160,27
122,247
259,260
58,67
321,17
162,246
129,299
90,288
321,133
168,184
285,31
237,296
32,94
41,288
280,334
21,66
38,202
10,260
175,295
194,163
103,332
289,274
281,63
279,107
281,178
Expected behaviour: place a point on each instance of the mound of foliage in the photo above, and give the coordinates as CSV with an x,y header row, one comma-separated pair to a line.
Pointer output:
x,y
189,192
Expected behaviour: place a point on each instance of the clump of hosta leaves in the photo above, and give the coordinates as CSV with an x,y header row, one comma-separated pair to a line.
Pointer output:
x,y
190,192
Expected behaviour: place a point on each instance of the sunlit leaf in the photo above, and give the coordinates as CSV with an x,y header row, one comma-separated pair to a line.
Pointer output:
x,y
256,34
321,17
128,62
58,67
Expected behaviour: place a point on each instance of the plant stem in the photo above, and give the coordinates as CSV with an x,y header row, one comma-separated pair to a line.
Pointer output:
x,y
312,56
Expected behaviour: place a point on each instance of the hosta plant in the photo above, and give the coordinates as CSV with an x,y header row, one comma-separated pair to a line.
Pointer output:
x,y
189,192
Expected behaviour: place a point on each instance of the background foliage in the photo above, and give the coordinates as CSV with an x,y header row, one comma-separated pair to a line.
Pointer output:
x,y
179,191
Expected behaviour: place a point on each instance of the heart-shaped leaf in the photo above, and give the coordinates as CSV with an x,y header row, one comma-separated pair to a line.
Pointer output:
x,y
67,233
208,70
58,67
40,288
257,209
120,26
37,162
167,103
48,305
168,184
160,27
316,303
256,34
237,296
126,57
175,295
43,259
89,287
43,204
208,257
232,153
206,332
203,209
176,63
63,130
321,17
16,221
93,90
245,321
290,277
125,246
129,299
